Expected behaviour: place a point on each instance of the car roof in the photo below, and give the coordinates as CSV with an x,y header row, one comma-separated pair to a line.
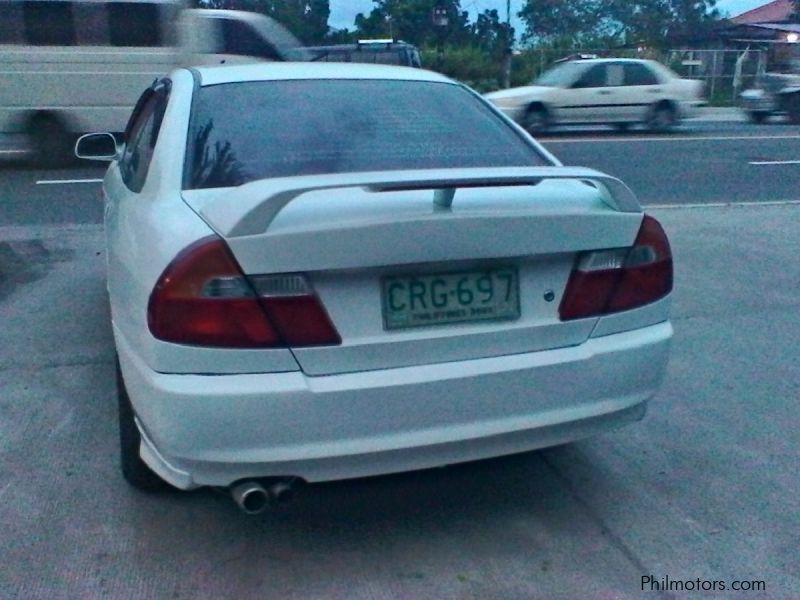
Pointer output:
x,y
276,71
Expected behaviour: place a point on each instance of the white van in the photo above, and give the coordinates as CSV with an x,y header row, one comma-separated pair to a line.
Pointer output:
x,y
72,66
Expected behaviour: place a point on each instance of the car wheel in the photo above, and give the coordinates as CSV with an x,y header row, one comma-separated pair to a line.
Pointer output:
x,y
792,104
757,116
52,143
134,469
536,120
662,117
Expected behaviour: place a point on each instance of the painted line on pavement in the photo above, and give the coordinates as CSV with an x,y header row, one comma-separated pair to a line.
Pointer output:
x,y
774,162
66,181
724,204
593,140
13,151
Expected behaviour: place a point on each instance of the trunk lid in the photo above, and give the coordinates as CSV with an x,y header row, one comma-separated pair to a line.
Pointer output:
x,y
368,249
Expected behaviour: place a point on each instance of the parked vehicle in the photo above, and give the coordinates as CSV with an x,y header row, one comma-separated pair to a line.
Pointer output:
x,y
384,52
73,66
614,91
296,295
775,94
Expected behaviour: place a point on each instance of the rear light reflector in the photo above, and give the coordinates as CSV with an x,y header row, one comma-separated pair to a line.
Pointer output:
x,y
608,281
203,298
295,311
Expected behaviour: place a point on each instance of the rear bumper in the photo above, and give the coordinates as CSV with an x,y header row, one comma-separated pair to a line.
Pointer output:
x,y
214,430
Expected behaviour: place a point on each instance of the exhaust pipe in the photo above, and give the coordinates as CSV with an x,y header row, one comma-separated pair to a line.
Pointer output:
x,y
253,498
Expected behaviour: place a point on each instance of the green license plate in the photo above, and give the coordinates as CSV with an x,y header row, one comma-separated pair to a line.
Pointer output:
x,y
467,296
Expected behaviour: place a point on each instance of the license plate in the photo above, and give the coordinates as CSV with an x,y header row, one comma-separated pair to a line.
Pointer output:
x,y
467,296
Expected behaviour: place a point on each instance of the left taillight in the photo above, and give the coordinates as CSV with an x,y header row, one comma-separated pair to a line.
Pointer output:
x,y
609,281
203,298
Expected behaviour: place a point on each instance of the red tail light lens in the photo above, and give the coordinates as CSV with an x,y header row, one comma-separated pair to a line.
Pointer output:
x,y
203,298
609,281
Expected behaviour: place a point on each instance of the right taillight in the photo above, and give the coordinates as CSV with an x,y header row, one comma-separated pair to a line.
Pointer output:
x,y
203,298
608,281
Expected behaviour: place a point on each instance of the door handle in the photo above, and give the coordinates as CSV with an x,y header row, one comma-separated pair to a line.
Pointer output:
x,y
604,92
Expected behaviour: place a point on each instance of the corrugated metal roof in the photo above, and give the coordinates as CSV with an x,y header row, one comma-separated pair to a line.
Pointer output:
x,y
776,11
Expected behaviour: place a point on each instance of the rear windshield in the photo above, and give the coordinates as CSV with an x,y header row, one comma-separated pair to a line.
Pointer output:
x,y
241,132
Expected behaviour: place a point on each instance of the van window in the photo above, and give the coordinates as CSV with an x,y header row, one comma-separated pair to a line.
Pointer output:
x,y
49,23
134,24
11,31
91,23
241,39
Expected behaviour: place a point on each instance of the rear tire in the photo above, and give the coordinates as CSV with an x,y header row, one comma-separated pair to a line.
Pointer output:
x,y
662,117
792,104
52,143
536,120
134,469
757,116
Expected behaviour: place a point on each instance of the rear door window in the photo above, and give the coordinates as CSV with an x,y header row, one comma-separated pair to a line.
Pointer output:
x,y
141,136
638,74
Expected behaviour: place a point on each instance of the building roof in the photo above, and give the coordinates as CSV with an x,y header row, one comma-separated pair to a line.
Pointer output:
x,y
771,12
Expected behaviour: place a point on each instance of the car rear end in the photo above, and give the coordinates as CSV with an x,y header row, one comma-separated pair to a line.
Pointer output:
x,y
380,320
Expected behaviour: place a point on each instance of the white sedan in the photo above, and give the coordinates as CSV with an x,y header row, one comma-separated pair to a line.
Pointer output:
x,y
614,91
318,272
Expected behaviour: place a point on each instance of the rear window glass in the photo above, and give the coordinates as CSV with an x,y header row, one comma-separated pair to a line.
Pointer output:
x,y
241,132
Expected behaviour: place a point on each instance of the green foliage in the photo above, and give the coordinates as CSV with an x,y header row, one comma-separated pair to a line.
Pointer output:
x,y
468,64
412,21
658,23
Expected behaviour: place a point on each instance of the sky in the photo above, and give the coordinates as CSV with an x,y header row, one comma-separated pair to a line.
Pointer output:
x,y
343,12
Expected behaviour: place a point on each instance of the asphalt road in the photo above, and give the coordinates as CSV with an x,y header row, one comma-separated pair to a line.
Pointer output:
x,y
702,162
705,489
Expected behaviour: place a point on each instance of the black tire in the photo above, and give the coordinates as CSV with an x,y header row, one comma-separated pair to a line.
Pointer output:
x,y
536,120
661,117
134,469
52,143
757,116
792,104
622,127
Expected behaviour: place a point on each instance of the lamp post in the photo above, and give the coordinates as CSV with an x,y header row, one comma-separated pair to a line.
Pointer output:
x,y
507,49
440,21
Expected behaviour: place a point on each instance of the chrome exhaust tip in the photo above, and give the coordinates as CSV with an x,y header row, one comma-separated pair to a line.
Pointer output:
x,y
250,497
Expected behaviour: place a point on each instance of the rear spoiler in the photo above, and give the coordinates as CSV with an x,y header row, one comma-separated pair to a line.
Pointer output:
x,y
250,208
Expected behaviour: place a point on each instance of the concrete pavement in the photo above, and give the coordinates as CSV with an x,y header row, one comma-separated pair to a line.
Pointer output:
x,y
705,488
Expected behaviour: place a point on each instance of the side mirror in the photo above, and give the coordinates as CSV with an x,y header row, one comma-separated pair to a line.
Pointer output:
x,y
97,146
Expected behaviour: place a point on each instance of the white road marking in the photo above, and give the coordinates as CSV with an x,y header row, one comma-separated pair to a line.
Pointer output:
x,y
66,181
13,151
775,162
591,140
724,204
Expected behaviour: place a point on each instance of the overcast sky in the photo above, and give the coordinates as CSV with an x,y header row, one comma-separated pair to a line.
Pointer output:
x,y
343,12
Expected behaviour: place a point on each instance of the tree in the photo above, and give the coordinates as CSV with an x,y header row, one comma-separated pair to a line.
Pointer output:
x,y
650,22
492,35
412,21
306,19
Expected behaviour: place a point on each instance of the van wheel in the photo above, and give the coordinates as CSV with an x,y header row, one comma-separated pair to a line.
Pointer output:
x,y
52,143
134,469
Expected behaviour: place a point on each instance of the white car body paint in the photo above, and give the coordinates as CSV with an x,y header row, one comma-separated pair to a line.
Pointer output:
x,y
382,401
